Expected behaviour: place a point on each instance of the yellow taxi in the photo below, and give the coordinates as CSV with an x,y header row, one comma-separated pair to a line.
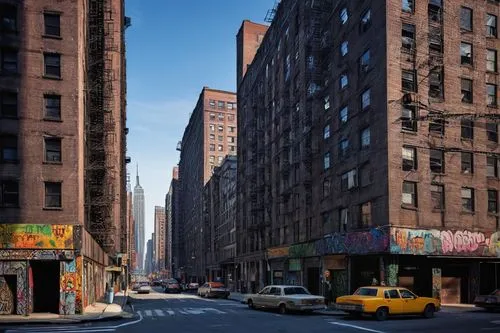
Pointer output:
x,y
384,301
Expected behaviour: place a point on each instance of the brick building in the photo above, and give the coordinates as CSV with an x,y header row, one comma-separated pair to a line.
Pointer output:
x,y
219,203
62,153
160,238
208,138
368,146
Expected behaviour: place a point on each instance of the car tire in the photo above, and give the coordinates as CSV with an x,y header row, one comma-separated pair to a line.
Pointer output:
x,y
381,314
282,309
429,311
250,304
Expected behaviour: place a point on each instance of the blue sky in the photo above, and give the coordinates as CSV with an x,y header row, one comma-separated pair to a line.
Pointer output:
x,y
174,48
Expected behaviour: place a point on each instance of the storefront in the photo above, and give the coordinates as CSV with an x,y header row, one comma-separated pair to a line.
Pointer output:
x,y
276,259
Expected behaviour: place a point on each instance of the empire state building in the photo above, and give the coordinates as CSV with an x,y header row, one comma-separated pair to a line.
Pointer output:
x,y
139,217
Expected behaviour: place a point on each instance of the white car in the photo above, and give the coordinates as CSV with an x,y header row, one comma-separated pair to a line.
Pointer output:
x,y
144,288
285,298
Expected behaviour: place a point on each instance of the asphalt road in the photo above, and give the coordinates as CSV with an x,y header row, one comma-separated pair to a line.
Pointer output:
x,y
159,312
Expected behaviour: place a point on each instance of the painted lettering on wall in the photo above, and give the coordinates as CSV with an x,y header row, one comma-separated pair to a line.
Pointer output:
x,y
363,242
443,242
36,236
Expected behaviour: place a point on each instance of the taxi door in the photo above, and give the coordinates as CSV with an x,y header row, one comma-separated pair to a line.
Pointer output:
x,y
393,301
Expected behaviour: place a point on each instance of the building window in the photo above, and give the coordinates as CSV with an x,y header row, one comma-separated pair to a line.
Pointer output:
x,y
492,166
437,196
212,159
408,6
212,136
326,161
220,147
53,150
491,98
9,193
219,159
52,24
466,19
212,127
491,25
365,138
8,104
466,90
365,99
326,188
408,81
220,128
53,195
465,53
364,62
232,148
230,117
212,147
344,80
344,218
326,132
435,10
344,15
221,105
52,106
8,17
409,196
220,116
344,48
348,180
467,162
467,129
231,139
492,201
409,158
365,175
436,161
435,40
491,60
232,129
408,37
467,199
366,20
327,102
343,148
8,149
212,116
52,65
436,84
409,118
366,214
492,132
436,124
344,115
9,60
211,102
220,137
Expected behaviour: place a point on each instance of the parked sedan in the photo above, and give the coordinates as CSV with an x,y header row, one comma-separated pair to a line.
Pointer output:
x,y
213,289
384,301
172,286
285,299
489,302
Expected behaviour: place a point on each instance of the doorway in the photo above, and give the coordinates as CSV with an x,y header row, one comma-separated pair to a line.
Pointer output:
x,y
46,285
313,276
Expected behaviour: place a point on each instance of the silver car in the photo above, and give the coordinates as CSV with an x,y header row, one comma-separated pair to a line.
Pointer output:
x,y
285,298
213,289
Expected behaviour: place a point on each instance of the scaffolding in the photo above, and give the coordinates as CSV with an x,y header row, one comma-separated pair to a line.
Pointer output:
x,y
100,126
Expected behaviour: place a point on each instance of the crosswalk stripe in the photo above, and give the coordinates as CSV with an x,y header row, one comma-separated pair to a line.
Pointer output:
x,y
181,312
139,313
170,312
148,313
215,310
194,311
159,313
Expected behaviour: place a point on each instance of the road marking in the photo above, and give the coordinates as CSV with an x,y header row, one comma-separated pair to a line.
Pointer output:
x,y
159,313
148,313
170,312
194,311
214,310
182,312
354,326
67,331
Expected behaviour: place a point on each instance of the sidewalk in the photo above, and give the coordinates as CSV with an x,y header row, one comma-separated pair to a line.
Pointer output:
x,y
94,312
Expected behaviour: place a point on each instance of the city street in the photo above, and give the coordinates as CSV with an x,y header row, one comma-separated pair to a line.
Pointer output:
x,y
159,312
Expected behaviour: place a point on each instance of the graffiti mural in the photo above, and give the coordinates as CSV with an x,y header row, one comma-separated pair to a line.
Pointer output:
x,y
36,255
436,283
70,301
36,236
442,242
21,295
373,241
6,298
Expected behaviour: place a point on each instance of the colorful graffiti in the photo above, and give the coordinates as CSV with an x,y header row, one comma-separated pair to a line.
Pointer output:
x,y
436,283
37,255
71,287
443,242
36,236
6,298
373,241
21,294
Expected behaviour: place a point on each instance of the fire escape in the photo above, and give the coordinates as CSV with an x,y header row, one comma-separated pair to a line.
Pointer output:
x,y
100,126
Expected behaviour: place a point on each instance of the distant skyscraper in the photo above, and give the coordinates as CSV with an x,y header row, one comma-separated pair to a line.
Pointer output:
x,y
139,217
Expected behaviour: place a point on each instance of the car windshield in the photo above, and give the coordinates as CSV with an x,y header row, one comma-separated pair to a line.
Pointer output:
x,y
296,291
366,292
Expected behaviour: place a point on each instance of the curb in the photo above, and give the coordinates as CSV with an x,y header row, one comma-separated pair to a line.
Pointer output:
x,y
60,321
